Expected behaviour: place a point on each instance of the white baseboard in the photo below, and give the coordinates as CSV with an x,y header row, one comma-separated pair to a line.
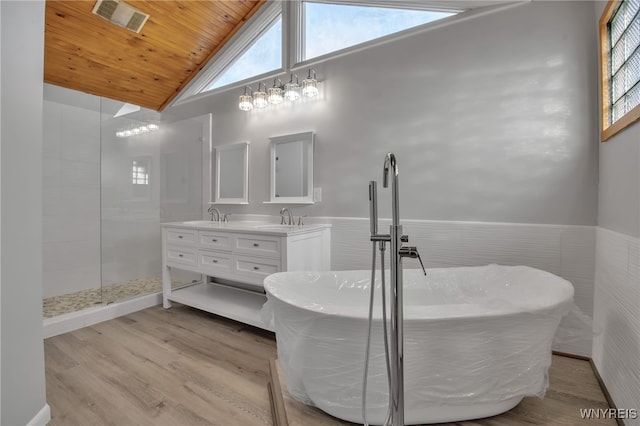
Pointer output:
x,y
86,317
42,418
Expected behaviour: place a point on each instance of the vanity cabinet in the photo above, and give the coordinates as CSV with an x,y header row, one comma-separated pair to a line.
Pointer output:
x,y
234,259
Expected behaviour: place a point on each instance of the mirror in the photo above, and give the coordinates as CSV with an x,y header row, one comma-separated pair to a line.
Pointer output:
x,y
232,174
292,168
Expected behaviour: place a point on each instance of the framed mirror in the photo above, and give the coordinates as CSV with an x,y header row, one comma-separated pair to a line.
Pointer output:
x,y
292,169
232,174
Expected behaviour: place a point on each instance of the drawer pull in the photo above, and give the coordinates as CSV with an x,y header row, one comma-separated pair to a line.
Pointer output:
x,y
214,261
256,245
180,236
180,255
255,268
214,240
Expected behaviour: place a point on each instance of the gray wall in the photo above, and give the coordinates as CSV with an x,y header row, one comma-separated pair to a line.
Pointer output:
x,y
492,120
23,386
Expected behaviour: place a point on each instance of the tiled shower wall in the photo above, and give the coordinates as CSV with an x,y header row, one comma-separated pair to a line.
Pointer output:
x,y
71,197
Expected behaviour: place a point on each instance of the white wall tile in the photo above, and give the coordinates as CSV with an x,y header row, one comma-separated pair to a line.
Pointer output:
x,y
52,118
71,227
616,345
63,255
80,134
75,277
567,251
79,173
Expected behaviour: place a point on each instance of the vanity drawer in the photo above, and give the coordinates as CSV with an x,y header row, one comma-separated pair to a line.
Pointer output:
x,y
181,236
260,245
256,268
214,262
215,240
182,255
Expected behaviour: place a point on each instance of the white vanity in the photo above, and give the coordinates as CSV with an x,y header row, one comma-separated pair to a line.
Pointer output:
x,y
234,258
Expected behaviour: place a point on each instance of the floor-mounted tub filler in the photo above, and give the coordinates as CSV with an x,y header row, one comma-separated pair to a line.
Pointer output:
x,y
467,342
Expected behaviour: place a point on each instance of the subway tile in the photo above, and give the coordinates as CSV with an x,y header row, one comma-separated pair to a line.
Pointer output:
x,y
82,174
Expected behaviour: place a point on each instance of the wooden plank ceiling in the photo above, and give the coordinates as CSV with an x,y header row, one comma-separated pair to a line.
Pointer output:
x,y
87,53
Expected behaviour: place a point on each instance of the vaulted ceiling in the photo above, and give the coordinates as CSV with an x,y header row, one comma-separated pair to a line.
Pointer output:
x,y
88,53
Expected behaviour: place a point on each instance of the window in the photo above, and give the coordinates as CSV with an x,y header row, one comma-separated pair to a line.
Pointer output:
x,y
331,27
140,174
283,35
264,55
254,52
620,66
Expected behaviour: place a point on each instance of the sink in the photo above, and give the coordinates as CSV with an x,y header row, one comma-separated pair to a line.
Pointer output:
x,y
274,227
200,223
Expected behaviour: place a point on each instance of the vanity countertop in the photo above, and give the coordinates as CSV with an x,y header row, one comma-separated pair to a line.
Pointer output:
x,y
249,227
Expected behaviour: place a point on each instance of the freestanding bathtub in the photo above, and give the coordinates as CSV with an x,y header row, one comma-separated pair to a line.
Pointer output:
x,y
476,339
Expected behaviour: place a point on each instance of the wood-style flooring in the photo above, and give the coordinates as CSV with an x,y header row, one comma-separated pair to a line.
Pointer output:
x,y
186,367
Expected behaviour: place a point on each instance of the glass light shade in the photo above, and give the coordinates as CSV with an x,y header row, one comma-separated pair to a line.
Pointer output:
x,y
291,92
310,87
274,95
260,99
245,103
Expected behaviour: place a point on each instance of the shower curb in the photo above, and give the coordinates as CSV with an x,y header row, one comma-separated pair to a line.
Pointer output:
x,y
86,317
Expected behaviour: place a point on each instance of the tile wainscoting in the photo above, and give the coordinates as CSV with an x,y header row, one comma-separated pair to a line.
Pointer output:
x,y
616,345
567,251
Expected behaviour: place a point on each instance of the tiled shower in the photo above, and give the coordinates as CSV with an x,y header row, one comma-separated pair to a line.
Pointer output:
x,y
105,194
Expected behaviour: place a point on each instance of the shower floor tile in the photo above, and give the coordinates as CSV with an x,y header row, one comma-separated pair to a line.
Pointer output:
x,y
72,302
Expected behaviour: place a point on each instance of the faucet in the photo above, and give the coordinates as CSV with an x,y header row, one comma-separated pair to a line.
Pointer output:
x,y
225,217
217,212
282,212
397,252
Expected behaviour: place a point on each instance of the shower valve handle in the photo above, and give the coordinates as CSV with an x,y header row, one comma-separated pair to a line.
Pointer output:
x,y
412,252
387,237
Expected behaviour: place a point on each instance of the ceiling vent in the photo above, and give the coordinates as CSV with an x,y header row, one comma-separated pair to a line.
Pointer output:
x,y
121,14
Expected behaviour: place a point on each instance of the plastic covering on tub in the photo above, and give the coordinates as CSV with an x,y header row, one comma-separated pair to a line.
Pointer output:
x,y
471,335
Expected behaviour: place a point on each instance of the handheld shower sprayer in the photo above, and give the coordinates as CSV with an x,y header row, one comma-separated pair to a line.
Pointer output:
x,y
373,207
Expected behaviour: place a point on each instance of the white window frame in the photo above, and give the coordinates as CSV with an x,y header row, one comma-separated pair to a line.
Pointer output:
x,y
296,14
293,37
608,129
234,49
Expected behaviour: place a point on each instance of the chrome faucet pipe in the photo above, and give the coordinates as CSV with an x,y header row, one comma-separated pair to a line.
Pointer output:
x,y
290,218
390,162
397,252
215,210
397,316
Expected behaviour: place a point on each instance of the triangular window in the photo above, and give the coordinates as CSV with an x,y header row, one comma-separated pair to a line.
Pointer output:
x,y
263,54
330,27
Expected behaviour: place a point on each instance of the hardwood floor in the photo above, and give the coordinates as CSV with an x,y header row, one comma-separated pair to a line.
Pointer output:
x,y
157,367
572,386
187,367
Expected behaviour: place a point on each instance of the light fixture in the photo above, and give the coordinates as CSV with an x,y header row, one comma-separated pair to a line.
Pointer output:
x,y
260,97
310,85
133,131
246,100
279,92
292,89
274,94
